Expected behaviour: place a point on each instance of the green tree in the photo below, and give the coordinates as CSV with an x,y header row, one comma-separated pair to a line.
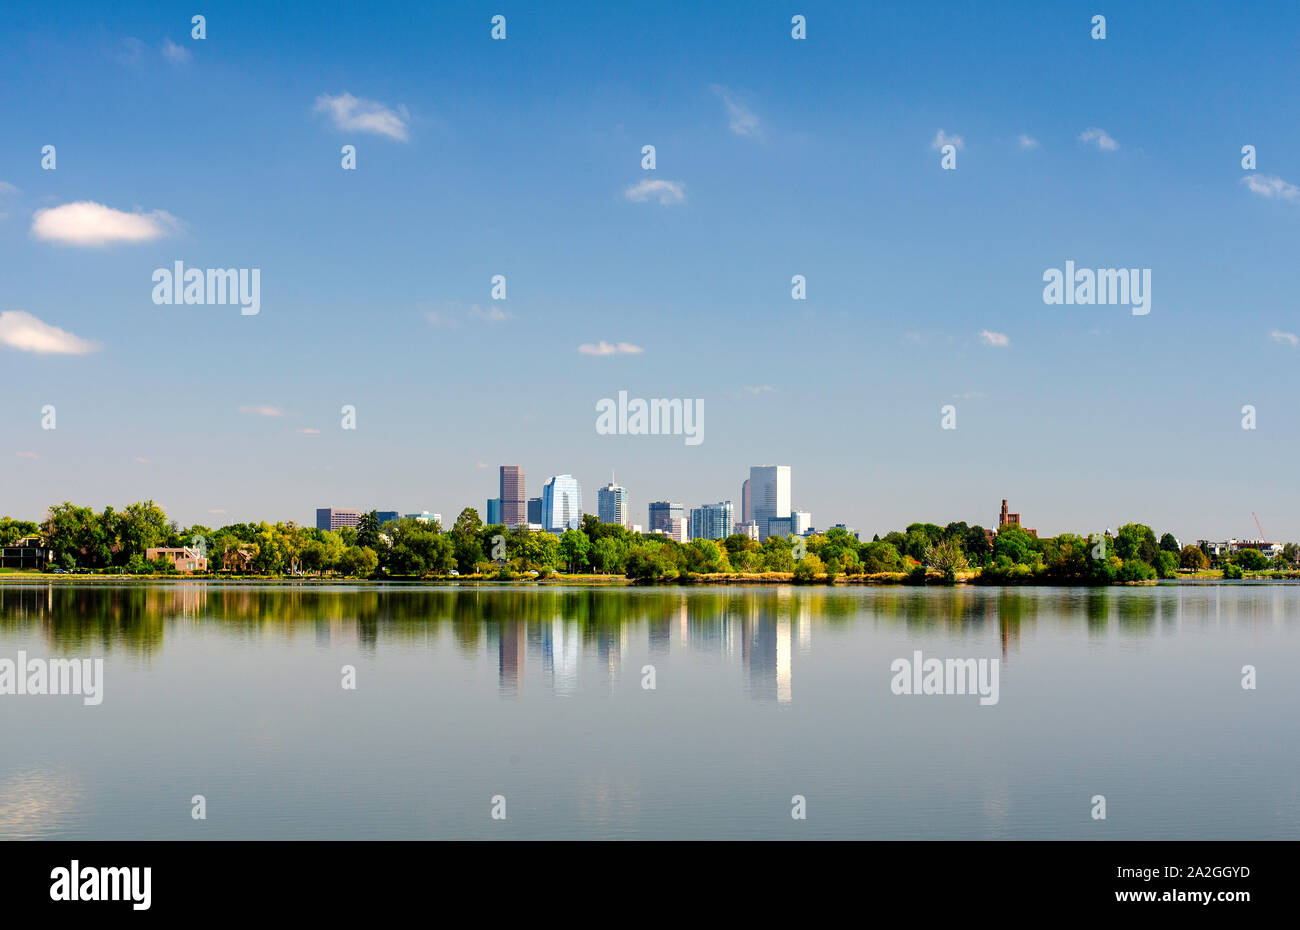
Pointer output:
x,y
1166,564
807,569
607,554
1136,570
1169,544
1136,541
368,530
705,556
574,547
467,549
1192,557
946,556
977,545
878,557
1252,560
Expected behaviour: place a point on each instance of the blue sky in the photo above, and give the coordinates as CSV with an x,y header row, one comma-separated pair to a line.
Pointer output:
x,y
514,157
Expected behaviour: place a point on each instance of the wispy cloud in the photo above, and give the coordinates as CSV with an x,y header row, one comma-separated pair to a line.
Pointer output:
x,y
990,338
28,455
1099,138
970,395
24,332
757,389
440,319
176,54
666,192
482,465
605,348
308,431
355,114
1290,339
740,119
141,460
132,52
262,410
493,314
6,190
88,223
1027,142
941,139
217,510
1270,185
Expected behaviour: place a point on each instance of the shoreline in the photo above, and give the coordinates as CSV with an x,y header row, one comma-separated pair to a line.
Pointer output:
x,y
889,579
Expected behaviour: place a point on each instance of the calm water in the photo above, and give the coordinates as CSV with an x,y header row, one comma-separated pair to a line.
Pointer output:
x,y
761,694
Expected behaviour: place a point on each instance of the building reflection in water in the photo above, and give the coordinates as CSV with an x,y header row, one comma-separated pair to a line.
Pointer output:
x,y
511,648
556,644
758,631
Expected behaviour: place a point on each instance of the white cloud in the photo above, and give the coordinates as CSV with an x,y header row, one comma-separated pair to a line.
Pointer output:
x,y
308,431
176,54
666,192
354,114
970,395
482,465
1099,138
20,330
140,459
741,119
757,389
941,139
1027,142
493,314
28,455
217,510
1270,185
263,410
440,319
88,223
990,338
6,188
1290,338
605,348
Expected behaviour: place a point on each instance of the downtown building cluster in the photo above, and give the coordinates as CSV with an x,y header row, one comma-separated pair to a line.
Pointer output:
x,y
765,508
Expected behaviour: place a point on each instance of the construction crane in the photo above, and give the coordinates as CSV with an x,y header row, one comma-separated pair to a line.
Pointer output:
x,y
1259,526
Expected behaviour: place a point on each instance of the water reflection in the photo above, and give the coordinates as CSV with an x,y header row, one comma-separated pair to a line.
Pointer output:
x,y
762,629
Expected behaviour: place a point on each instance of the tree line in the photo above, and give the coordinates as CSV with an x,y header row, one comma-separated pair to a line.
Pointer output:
x,y
113,540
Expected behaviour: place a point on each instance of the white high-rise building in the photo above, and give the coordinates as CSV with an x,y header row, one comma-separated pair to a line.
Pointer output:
x,y
611,503
562,504
769,494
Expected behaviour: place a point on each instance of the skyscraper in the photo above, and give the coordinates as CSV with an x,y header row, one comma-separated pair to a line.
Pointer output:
x,y
662,514
712,521
745,515
514,502
535,510
493,511
769,494
611,503
561,504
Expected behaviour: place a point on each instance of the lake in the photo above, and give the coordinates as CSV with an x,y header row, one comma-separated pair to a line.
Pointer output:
x,y
468,700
